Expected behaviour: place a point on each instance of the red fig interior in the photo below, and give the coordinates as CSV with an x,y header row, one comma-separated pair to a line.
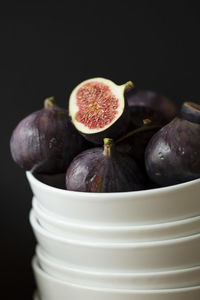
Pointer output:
x,y
97,105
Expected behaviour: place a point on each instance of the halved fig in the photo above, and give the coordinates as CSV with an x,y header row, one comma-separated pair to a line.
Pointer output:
x,y
98,108
104,169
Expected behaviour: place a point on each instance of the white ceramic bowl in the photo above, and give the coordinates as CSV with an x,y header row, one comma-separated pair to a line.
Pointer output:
x,y
130,280
121,257
131,208
36,296
126,233
54,289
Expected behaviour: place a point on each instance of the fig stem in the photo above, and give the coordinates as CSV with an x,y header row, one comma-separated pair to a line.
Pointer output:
x,y
128,86
108,145
49,102
146,121
141,129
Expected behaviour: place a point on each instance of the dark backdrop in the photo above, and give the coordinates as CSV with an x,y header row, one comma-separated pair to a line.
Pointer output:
x,y
47,50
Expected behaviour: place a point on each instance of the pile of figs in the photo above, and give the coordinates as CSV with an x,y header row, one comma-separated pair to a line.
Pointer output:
x,y
112,138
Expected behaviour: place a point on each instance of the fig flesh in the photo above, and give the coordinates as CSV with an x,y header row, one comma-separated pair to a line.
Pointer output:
x,y
173,153
145,104
103,169
46,140
98,108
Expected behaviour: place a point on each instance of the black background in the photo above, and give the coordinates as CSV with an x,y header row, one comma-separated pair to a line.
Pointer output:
x,y
48,50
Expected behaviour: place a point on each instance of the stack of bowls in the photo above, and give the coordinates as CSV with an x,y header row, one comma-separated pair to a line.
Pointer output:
x,y
117,246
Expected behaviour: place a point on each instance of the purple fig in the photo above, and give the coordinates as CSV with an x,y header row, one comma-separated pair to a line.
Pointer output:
x,y
46,141
98,108
150,105
149,112
103,169
173,154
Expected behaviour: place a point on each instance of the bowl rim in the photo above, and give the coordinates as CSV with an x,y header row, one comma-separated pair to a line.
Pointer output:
x,y
36,267
117,195
36,226
56,264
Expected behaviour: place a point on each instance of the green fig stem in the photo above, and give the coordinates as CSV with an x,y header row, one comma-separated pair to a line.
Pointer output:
x,y
49,102
146,122
128,86
145,127
108,145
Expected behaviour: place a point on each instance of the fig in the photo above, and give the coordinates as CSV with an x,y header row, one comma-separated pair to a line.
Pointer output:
x,y
103,169
149,112
173,154
98,108
134,143
145,104
46,140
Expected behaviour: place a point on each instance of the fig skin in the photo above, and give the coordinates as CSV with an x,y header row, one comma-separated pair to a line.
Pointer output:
x,y
46,141
136,143
173,154
191,111
104,170
149,112
145,104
